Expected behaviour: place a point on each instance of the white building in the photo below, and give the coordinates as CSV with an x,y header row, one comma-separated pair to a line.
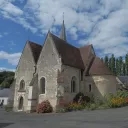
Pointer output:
x,y
4,95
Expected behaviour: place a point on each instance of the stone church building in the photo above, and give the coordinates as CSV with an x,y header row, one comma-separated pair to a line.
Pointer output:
x,y
59,69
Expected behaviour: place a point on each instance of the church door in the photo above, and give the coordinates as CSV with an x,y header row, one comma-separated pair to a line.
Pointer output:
x,y
21,103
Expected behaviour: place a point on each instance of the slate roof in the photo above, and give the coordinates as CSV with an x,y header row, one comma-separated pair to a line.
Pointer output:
x,y
81,58
99,68
86,54
4,92
36,49
123,79
70,55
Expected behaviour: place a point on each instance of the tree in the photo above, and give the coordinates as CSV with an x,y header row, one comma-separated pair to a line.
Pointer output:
x,y
124,69
113,64
6,79
117,67
106,60
126,63
120,65
109,64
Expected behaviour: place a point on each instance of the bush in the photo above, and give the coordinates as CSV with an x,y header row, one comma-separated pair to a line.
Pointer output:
x,y
80,98
44,107
8,108
99,101
86,99
123,94
74,107
61,110
91,106
77,97
117,100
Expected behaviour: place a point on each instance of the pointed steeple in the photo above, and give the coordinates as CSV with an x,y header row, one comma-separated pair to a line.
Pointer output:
x,y
63,31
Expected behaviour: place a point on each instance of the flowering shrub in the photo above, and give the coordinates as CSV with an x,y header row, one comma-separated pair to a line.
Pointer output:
x,y
44,107
118,102
74,106
126,100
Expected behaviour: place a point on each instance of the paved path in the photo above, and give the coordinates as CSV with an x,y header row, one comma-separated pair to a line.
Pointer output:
x,y
111,118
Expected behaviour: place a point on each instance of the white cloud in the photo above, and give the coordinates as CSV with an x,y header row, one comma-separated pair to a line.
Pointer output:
x,y
12,43
103,23
5,33
14,13
6,69
1,36
11,58
10,8
73,32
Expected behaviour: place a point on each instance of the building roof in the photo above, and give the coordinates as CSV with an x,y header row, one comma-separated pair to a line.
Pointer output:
x,y
86,54
70,55
82,58
4,92
36,49
123,79
99,68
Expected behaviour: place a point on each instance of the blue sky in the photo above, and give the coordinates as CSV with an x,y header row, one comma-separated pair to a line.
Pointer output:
x,y
103,23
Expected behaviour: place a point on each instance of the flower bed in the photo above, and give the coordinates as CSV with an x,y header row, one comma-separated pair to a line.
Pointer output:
x,y
120,99
119,102
44,107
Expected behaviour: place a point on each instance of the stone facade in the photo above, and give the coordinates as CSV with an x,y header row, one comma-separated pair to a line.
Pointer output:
x,y
100,85
68,73
24,71
58,71
48,65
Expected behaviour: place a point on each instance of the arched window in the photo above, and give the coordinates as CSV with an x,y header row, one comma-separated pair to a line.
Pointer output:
x,y
90,87
22,85
42,85
73,84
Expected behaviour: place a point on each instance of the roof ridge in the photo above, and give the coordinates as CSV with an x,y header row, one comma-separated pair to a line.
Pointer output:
x,y
85,46
69,53
35,49
99,68
34,43
67,43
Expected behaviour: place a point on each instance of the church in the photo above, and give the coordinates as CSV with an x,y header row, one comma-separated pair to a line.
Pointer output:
x,y
58,69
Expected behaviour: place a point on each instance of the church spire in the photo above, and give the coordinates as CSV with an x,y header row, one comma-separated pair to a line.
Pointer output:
x,y
63,31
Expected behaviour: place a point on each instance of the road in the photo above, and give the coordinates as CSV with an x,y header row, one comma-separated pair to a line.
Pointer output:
x,y
110,118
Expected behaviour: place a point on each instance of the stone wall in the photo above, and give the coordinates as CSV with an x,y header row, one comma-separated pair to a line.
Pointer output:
x,y
69,72
48,65
24,71
101,85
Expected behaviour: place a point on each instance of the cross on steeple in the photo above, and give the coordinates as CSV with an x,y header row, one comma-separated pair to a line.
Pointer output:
x,y
63,32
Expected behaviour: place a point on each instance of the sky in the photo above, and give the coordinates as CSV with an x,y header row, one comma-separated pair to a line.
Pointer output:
x,y
103,23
